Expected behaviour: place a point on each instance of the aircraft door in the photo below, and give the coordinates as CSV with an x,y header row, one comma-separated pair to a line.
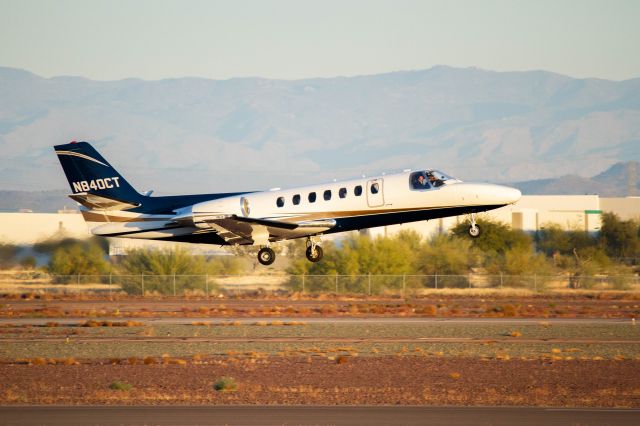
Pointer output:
x,y
375,193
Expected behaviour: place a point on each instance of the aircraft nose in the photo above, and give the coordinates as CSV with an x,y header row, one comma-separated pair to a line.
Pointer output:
x,y
509,195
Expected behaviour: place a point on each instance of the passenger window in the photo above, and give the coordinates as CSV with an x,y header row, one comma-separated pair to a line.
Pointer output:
x,y
357,191
296,199
280,202
312,197
375,188
342,193
327,195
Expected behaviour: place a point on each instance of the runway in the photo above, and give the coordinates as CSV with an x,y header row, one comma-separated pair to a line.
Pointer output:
x,y
359,415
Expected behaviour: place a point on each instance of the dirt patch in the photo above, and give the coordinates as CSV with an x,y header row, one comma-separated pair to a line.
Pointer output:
x,y
579,305
322,381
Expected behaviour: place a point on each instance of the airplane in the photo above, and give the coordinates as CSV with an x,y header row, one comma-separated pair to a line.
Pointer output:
x,y
111,207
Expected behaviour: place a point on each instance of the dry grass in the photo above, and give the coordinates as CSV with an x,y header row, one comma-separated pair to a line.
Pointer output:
x,y
149,360
478,292
342,359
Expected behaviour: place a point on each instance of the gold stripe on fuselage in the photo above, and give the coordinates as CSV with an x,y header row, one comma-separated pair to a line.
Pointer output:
x,y
93,216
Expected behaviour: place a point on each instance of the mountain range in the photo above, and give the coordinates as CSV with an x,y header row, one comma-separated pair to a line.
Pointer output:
x,y
191,135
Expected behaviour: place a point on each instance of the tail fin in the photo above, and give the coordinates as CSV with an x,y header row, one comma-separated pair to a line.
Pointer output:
x,y
89,173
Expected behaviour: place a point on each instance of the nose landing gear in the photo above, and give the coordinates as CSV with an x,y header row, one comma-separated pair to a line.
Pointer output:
x,y
474,229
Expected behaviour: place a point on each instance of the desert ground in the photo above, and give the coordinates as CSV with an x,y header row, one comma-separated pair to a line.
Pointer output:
x,y
578,349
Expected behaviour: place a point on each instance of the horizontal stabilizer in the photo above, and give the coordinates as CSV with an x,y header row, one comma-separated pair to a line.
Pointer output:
x,y
102,202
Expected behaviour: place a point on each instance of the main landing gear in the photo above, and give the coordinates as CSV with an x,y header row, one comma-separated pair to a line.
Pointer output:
x,y
266,256
474,229
314,251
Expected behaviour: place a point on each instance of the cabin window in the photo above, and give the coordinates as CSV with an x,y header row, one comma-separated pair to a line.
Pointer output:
x,y
312,197
342,193
280,202
375,188
357,191
327,195
296,199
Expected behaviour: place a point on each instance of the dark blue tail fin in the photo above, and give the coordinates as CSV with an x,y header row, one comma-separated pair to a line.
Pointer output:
x,y
87,171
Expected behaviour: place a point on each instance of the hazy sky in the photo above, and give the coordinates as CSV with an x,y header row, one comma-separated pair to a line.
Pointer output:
x,y
154,39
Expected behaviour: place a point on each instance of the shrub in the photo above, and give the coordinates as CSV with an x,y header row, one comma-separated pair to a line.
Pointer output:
x,y
149,360
160,266
120,386
496,237
225,384
7,255
444,255
74,257
621,238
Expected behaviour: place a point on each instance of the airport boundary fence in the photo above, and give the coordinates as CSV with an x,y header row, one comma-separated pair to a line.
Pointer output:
x,y
364,284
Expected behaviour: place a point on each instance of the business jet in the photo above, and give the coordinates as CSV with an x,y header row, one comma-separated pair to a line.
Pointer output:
x,y
111,207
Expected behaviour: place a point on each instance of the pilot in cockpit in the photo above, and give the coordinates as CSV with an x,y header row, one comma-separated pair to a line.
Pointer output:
x,y
434,181
420,182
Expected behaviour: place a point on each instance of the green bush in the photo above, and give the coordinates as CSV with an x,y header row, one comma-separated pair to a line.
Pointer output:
x,y
357,256
7,255
446,255
225,384
160,266
620,238
496,237
75,257
120,386
552,239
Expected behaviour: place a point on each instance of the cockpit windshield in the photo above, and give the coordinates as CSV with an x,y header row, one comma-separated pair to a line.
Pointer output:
x,y
429,179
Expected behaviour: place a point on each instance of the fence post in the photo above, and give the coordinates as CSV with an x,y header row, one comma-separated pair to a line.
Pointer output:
x,y
174,284
469,279
535,283
206,284
436,280
501,279
110,283
336,283
303,278
369,283
404,285
142,281
78,279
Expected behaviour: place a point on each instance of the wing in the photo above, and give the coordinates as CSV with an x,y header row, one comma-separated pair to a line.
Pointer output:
x,y
244,230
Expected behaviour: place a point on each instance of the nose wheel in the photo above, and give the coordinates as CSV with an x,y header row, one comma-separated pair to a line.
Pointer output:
x,y
314,251
474,229
266,256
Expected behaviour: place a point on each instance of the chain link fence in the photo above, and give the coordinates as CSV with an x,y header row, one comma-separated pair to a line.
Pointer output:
x,y
215,285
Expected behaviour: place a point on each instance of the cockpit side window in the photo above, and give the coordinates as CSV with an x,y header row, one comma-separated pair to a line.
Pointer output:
x,y
418,181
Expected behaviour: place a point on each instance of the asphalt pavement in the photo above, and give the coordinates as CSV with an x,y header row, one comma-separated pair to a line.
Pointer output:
x,y
360,415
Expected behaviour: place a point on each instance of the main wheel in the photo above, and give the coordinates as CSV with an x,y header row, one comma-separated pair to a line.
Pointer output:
x,y
474,231
314,255
266,256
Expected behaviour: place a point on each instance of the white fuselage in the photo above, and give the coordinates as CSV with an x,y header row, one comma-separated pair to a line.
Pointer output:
x,y
317,209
